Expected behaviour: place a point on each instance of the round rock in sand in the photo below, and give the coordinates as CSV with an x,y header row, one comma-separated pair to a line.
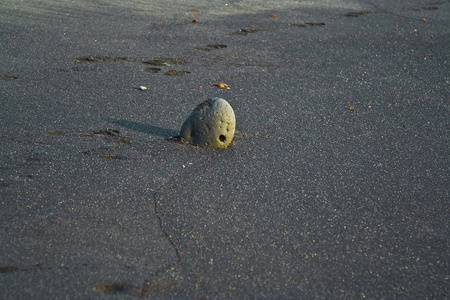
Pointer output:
x,y
211,124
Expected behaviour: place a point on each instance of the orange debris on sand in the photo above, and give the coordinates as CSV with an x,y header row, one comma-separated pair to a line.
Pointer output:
x,y
274,16
195,21
220,85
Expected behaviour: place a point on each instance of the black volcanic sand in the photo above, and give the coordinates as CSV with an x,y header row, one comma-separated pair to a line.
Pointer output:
x,y
336,185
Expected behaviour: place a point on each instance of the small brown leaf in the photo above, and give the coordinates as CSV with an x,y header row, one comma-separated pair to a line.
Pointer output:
x,y
220,85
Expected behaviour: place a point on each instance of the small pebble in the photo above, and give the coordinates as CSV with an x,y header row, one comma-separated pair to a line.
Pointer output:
x,y
143,88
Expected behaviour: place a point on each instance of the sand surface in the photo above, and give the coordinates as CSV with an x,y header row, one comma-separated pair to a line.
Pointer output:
x,y
335,186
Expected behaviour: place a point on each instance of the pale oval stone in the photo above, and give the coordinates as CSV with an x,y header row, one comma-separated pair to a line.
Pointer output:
x,y
211,124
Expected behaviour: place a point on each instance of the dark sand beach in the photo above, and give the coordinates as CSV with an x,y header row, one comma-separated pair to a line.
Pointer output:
x,y
336,185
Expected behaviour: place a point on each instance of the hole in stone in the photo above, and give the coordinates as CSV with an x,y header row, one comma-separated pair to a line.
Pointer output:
x,y
222,138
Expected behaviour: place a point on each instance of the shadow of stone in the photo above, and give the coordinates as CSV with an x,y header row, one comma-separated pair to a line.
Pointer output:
x,y
153,130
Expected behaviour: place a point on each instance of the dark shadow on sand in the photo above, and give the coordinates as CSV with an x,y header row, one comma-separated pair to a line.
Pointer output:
x,y
153,130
